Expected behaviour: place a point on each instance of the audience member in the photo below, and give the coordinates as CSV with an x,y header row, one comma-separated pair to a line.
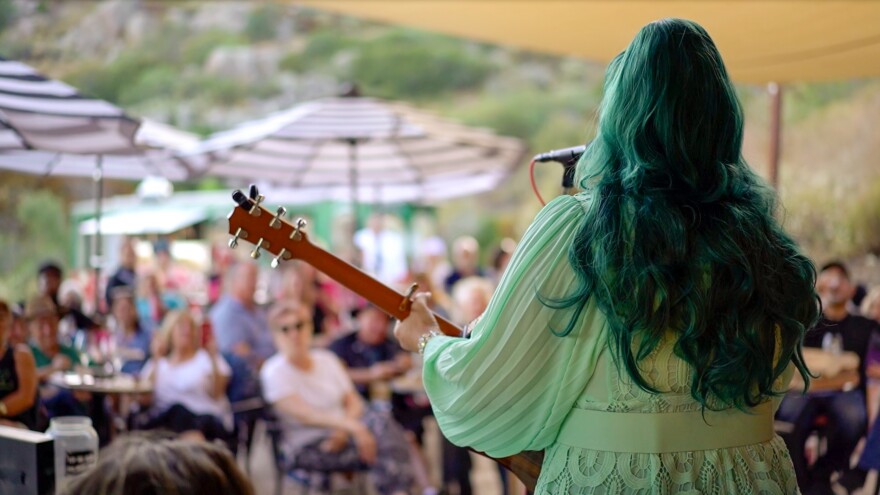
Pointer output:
x,y
147,464
189,382
431,259
383,251
18,330
327,427
150,306
49,278
465,261
370,355
238,324
18,378
125,275
51,356
132,340
846,411
500,258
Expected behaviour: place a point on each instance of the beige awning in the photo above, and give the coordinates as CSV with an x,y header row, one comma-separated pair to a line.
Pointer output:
x,y
761,41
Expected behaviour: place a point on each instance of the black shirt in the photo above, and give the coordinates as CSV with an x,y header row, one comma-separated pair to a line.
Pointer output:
x,y
856,333
357,354
9,384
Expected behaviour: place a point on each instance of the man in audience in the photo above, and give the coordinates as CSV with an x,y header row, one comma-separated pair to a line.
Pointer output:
x,y
238,324
465,261
370,355
49,278
383,250
125,275
846,410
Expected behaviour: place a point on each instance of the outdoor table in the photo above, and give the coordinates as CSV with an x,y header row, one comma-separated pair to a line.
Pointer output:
x,y
120,386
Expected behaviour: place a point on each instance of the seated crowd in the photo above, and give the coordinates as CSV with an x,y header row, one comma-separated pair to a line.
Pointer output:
x,y
321,365
314,360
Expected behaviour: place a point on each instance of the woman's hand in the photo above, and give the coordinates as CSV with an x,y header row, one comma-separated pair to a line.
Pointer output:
x,y
335,442
419,322
365,443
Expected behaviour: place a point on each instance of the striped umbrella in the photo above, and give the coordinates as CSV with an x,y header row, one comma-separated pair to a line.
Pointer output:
x,y
48,127
368,149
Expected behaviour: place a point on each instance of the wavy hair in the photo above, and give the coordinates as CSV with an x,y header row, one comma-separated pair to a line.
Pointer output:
x,y
680,234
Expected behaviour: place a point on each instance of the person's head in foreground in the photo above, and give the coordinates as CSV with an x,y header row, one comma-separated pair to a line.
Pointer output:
x,y
680,234
147,464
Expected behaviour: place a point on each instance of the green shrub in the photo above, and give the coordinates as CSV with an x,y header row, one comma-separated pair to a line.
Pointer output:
x,y
7,14
196,50
404,64
157,82
320,49
262,22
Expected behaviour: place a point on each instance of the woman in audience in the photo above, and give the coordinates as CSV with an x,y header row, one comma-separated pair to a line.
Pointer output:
x,y
189,382
132,340
150,465
327,426
18,378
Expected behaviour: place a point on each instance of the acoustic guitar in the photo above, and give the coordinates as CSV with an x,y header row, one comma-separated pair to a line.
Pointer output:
x,y
271,233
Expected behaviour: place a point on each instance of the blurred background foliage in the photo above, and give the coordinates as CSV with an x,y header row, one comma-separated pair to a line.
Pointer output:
x,y
207,66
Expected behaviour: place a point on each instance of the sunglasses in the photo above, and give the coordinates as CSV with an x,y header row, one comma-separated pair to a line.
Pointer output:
x,y
296,326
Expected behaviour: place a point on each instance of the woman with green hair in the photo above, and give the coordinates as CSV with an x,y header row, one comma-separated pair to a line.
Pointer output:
x,y
645,328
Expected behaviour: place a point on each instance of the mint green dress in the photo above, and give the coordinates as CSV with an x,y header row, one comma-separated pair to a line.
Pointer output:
x,y
512,385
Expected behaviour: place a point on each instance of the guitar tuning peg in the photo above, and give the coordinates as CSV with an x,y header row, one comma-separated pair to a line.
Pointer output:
x,y
276,220
263,243
239,234
282,256
297,231
255,209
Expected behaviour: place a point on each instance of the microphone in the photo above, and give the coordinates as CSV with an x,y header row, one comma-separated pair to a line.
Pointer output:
x,y
565,156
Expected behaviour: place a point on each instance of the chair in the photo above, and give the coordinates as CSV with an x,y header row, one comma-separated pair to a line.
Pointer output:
x,y
309,481
247,405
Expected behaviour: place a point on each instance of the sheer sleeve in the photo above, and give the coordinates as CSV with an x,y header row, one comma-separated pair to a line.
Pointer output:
x,y
509,387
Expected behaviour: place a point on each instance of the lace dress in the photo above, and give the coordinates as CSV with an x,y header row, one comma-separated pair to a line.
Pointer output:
x,y
510,387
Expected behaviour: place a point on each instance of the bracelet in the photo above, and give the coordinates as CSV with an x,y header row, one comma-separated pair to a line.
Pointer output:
x,y
425,338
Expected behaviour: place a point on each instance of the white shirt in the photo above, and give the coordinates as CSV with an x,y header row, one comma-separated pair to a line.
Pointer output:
x,y
323,388
384,254
189,384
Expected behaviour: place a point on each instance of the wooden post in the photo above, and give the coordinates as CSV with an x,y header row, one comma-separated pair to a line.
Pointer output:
x,y
775,91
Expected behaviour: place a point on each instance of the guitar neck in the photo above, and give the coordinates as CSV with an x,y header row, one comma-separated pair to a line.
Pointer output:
x,y
389,300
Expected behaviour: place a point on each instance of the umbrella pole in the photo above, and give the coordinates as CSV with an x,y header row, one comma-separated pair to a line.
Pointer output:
x,y
96,258
775,91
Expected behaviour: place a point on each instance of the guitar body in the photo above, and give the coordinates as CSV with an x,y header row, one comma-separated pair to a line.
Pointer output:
x,y
269,232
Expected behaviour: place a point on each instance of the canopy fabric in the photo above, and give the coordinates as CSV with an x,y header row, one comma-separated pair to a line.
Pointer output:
x,y
138,221
364,149
52,116
761,41
119,167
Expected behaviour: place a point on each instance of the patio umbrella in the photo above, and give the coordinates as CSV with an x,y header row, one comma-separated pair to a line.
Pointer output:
x,y
47,126
367,149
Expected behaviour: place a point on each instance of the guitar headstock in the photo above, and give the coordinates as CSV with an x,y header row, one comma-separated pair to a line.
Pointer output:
x,y
251,222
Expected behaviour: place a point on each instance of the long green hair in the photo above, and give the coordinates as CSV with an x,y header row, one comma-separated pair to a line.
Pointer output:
x,y
680,234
